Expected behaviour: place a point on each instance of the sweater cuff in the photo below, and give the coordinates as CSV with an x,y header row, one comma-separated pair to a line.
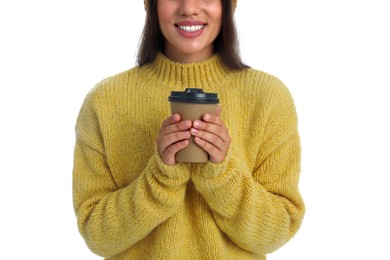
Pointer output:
x,y
177,174
212,170
209,176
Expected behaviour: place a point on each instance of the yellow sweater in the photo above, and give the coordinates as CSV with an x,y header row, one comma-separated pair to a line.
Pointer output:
x,y
130,205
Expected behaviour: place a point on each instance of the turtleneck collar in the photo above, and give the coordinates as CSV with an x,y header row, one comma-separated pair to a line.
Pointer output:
x,y
205,74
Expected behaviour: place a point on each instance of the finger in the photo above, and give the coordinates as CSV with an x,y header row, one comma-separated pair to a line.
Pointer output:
x,y
214,126
172,138
209,137
172,119
169,154
216,155
218,110
176,127
172,131
212,119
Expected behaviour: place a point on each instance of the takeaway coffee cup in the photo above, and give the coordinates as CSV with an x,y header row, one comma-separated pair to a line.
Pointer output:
x,y
191,104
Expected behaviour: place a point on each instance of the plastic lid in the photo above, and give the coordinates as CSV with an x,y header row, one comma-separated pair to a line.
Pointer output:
x,y
193,95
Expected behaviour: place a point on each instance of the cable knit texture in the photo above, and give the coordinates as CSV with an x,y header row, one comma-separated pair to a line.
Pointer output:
x,y
130,205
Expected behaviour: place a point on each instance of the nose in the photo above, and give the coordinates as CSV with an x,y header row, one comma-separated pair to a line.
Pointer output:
x,y
189,7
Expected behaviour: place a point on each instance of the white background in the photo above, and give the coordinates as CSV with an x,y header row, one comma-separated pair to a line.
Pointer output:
x,y
333,55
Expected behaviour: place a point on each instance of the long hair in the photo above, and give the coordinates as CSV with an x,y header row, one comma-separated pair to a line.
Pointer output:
x,y
226,44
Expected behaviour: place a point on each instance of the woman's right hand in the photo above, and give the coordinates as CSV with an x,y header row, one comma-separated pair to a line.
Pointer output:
x,y
173,136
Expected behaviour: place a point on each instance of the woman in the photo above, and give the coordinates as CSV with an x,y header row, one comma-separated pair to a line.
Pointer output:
x,y
134,201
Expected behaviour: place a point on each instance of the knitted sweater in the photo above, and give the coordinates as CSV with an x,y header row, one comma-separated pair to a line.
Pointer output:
x,y
130,205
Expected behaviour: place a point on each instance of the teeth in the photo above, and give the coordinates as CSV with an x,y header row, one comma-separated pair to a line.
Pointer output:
x,y
192,28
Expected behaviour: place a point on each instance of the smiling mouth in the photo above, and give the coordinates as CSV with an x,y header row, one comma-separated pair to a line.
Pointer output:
x,y
191,28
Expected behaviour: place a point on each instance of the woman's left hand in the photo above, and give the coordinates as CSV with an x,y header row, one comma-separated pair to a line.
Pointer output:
x,y
212,135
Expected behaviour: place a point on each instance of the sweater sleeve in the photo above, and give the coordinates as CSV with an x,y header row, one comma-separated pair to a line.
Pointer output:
x,y
259,209
112,219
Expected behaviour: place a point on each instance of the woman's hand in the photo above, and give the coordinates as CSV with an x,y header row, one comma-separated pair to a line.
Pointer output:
x,y
173,136
212,135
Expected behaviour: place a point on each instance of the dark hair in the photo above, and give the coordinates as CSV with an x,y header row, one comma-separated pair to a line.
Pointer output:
x,y
226,43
